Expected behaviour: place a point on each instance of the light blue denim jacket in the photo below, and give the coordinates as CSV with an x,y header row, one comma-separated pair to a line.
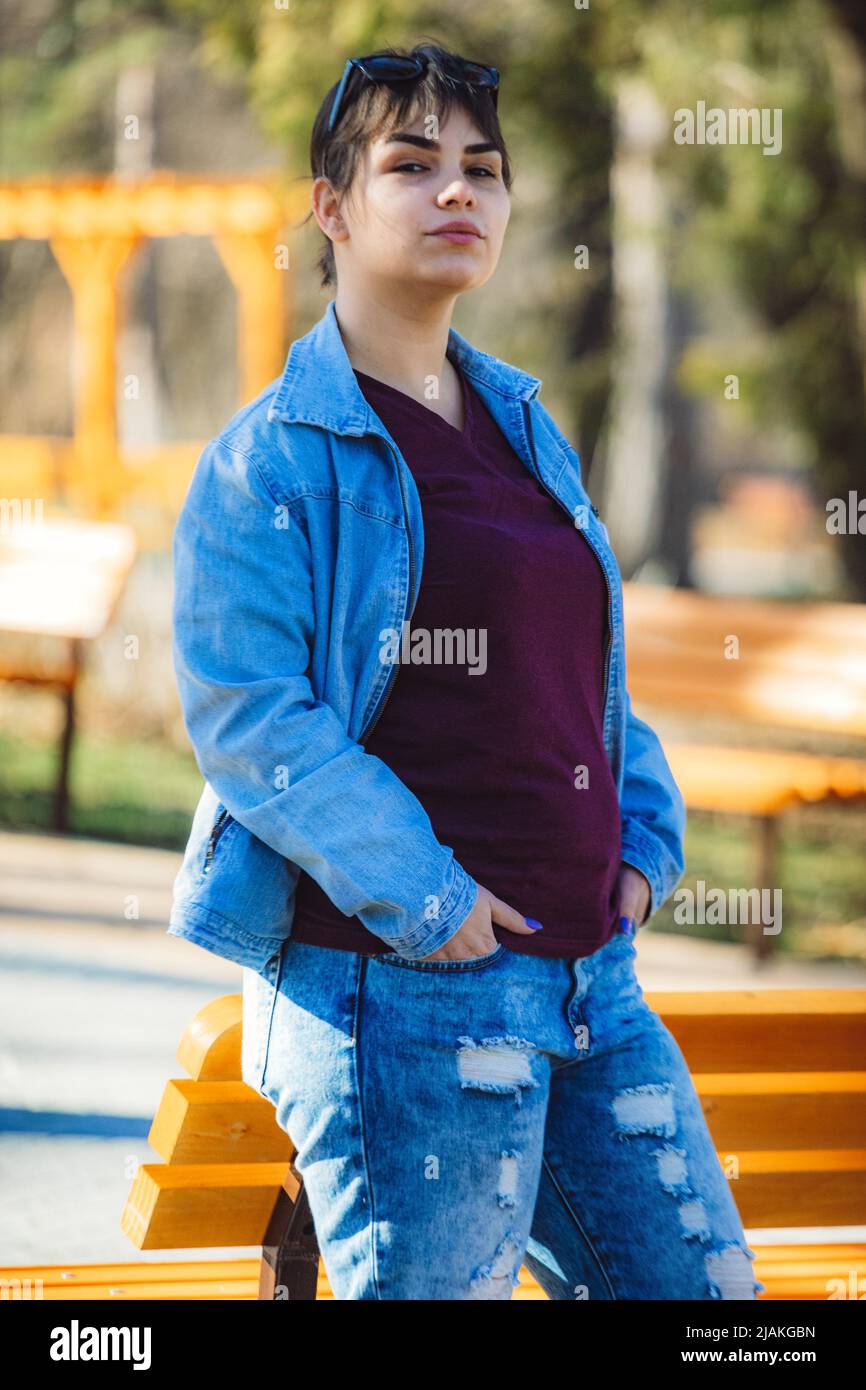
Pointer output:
x,y
299,541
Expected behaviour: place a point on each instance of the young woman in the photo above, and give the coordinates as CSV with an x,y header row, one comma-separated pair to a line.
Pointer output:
x,y
431,822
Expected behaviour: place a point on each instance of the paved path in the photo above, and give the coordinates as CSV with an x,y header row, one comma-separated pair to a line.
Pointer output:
x,y
92,1006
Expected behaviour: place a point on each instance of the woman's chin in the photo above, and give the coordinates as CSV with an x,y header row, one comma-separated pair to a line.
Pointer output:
x,y
453,274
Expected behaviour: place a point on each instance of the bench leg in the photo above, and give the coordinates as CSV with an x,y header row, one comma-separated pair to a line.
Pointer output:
x,y
766,870
290,1250
61,793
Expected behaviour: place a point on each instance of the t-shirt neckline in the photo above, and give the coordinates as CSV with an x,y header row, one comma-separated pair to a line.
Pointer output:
x,y
468,420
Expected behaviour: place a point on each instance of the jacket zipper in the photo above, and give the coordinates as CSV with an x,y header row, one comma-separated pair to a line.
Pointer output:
x,y
214,836
393,678
607,646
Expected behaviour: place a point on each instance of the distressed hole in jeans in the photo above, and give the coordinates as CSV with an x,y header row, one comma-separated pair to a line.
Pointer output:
x,y
730,1275
645,1109
500,1065
672,1170
693,1219
497,1279
507,1191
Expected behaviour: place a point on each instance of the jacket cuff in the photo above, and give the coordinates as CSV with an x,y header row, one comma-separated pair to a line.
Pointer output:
x,y
648,854
433,932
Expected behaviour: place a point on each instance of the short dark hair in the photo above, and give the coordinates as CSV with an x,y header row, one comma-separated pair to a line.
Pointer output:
x,y
379,106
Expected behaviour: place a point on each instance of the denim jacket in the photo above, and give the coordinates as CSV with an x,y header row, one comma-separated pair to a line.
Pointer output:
x,y
299,541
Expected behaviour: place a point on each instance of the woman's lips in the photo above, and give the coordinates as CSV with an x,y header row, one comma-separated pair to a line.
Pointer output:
x,y
460,238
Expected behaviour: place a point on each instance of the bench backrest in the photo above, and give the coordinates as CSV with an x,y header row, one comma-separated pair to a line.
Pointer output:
x,y
801,665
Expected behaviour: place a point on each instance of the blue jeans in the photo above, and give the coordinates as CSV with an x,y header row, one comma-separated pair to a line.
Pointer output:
x,y
456,1119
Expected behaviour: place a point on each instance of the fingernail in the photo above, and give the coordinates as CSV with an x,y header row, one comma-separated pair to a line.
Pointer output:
x,y
626,922
533,923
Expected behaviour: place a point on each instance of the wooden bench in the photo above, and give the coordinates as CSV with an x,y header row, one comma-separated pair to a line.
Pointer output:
x,y
60,580
799,666
778,1075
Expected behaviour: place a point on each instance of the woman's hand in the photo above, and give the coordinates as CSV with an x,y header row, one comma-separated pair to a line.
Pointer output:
x,y
475,937
634,894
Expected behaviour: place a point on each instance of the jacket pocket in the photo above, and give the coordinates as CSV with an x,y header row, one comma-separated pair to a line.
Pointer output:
x,y
235,884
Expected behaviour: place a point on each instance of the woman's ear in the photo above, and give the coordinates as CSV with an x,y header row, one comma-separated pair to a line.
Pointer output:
x,y
325,205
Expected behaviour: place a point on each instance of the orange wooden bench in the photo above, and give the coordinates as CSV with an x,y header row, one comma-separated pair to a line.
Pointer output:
x,y
778,1072
799,666
60,581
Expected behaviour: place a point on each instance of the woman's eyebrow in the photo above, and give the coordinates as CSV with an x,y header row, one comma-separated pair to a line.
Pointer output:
x,y
403,137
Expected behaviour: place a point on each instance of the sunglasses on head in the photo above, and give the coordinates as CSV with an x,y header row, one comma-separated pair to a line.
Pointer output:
x,y
383,68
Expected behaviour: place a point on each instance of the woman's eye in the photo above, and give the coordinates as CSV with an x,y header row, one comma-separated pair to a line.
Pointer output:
x,y
412,164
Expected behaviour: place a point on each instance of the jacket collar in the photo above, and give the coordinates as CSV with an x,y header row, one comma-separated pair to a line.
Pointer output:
x,y
318,385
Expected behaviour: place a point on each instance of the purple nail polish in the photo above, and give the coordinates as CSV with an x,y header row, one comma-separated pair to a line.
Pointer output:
x,y
533,923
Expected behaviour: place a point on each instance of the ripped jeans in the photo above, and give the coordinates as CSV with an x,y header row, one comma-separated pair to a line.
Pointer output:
x,y
454,1120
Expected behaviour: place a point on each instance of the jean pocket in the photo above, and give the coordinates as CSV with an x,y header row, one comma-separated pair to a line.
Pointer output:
x,y
620,945
471,963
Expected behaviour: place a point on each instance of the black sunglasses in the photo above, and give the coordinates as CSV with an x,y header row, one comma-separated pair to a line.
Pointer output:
x,y
382,68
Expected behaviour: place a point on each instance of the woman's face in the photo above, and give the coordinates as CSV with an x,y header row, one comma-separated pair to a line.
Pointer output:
x,y
388,226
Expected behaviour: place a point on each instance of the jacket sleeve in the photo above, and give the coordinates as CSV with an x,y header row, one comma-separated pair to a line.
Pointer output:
x,y
653,812
279,759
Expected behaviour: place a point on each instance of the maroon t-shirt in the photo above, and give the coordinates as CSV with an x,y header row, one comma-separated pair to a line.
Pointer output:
x,y
502,744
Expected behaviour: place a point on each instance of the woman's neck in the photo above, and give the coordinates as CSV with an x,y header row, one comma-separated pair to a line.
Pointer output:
x,y
404,349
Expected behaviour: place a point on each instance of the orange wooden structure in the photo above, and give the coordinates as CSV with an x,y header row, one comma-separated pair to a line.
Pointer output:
x,y
94,226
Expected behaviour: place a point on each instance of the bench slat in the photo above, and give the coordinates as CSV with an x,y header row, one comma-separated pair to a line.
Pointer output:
x,y
798,1273
760,782
160,1292
200,1205
748,1030
227,1122
817,1259
203,1205
784,1110
217,1122
766,1030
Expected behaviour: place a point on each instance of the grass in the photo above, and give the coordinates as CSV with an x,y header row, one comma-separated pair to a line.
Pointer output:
x,y
138,791
821,873
144,792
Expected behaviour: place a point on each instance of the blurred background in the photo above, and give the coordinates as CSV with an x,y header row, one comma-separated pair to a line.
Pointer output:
x,y
697,312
